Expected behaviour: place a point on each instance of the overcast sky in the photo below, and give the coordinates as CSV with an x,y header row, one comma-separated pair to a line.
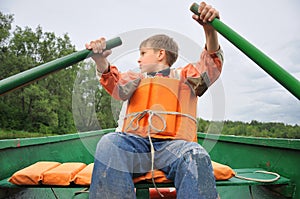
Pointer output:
x,y
244,91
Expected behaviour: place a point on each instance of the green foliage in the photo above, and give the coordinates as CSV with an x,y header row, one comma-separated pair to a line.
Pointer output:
x,y
12,134
254,128
107,109
5,27
44,106
65,102
93,107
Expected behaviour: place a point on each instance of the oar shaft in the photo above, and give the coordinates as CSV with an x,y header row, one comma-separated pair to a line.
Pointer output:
x,y
24,78
262,60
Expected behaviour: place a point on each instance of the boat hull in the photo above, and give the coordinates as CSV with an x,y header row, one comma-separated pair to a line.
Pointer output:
x,y
276,155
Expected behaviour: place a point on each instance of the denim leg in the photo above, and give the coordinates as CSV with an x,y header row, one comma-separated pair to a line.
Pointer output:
x,y
118,157
192,171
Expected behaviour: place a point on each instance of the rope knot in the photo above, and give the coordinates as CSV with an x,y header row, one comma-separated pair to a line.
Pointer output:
x,y
134,123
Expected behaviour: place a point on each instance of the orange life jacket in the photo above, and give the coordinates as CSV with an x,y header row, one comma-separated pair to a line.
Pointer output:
x,y
163,107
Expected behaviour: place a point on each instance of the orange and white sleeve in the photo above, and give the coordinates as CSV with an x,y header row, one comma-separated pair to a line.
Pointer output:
x,y
120,85
203,73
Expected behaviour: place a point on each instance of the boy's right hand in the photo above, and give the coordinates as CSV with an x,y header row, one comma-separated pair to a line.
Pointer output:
x,y
100,54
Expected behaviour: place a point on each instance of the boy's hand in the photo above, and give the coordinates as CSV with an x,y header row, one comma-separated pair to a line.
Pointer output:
x,y
207,14
100,55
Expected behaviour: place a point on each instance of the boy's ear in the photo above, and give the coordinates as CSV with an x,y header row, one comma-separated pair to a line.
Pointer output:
x,y
161,54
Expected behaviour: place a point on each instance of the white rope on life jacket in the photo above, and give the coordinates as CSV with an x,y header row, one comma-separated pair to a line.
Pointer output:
x,y
139,115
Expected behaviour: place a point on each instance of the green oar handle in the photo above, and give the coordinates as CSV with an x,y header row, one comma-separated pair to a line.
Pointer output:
x,y
267,64
24,78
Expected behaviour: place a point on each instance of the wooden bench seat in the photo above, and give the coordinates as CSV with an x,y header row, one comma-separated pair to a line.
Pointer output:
x,y
142,188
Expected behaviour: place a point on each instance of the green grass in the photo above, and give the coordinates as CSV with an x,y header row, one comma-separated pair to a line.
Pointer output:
x,y
12,134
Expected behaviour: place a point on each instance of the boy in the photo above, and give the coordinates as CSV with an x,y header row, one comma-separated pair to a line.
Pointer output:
x,y
159,127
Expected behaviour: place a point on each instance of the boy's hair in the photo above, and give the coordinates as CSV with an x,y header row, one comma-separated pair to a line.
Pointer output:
x,y
165,42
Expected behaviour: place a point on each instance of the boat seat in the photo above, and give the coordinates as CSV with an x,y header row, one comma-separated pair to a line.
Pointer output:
x,y
144,189
64,174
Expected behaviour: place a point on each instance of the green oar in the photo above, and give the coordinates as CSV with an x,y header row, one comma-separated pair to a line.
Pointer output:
x,y
24,78
267,64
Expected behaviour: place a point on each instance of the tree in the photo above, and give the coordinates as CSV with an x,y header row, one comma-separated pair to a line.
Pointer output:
x,y
93,107
44,106
254,129
5,27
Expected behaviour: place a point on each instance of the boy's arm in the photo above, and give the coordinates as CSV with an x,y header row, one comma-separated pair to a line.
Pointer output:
x,y
208,68
212,43
120,85
100,56
207,14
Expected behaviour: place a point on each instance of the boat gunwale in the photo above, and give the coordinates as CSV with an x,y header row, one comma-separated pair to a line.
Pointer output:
x,y
23,142
284,143
258,141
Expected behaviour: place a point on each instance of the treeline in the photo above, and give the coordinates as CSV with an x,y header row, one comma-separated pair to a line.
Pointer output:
x,y
72,100
253,128
49,105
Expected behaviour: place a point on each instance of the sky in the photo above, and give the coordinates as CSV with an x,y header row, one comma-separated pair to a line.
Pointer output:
x,y
244,92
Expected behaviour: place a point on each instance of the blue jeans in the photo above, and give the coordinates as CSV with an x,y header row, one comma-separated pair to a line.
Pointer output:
x,y
119,157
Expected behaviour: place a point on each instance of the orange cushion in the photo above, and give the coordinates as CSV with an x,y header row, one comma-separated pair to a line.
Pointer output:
x,y
85,175
63,174
55,173
33,174
159,177
221,171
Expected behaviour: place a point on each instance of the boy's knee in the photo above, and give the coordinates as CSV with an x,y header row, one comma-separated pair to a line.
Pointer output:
x,y
197,149
108,139
197,153
106,144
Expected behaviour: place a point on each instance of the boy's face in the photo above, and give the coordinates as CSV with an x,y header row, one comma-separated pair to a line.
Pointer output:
x,y
149,60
